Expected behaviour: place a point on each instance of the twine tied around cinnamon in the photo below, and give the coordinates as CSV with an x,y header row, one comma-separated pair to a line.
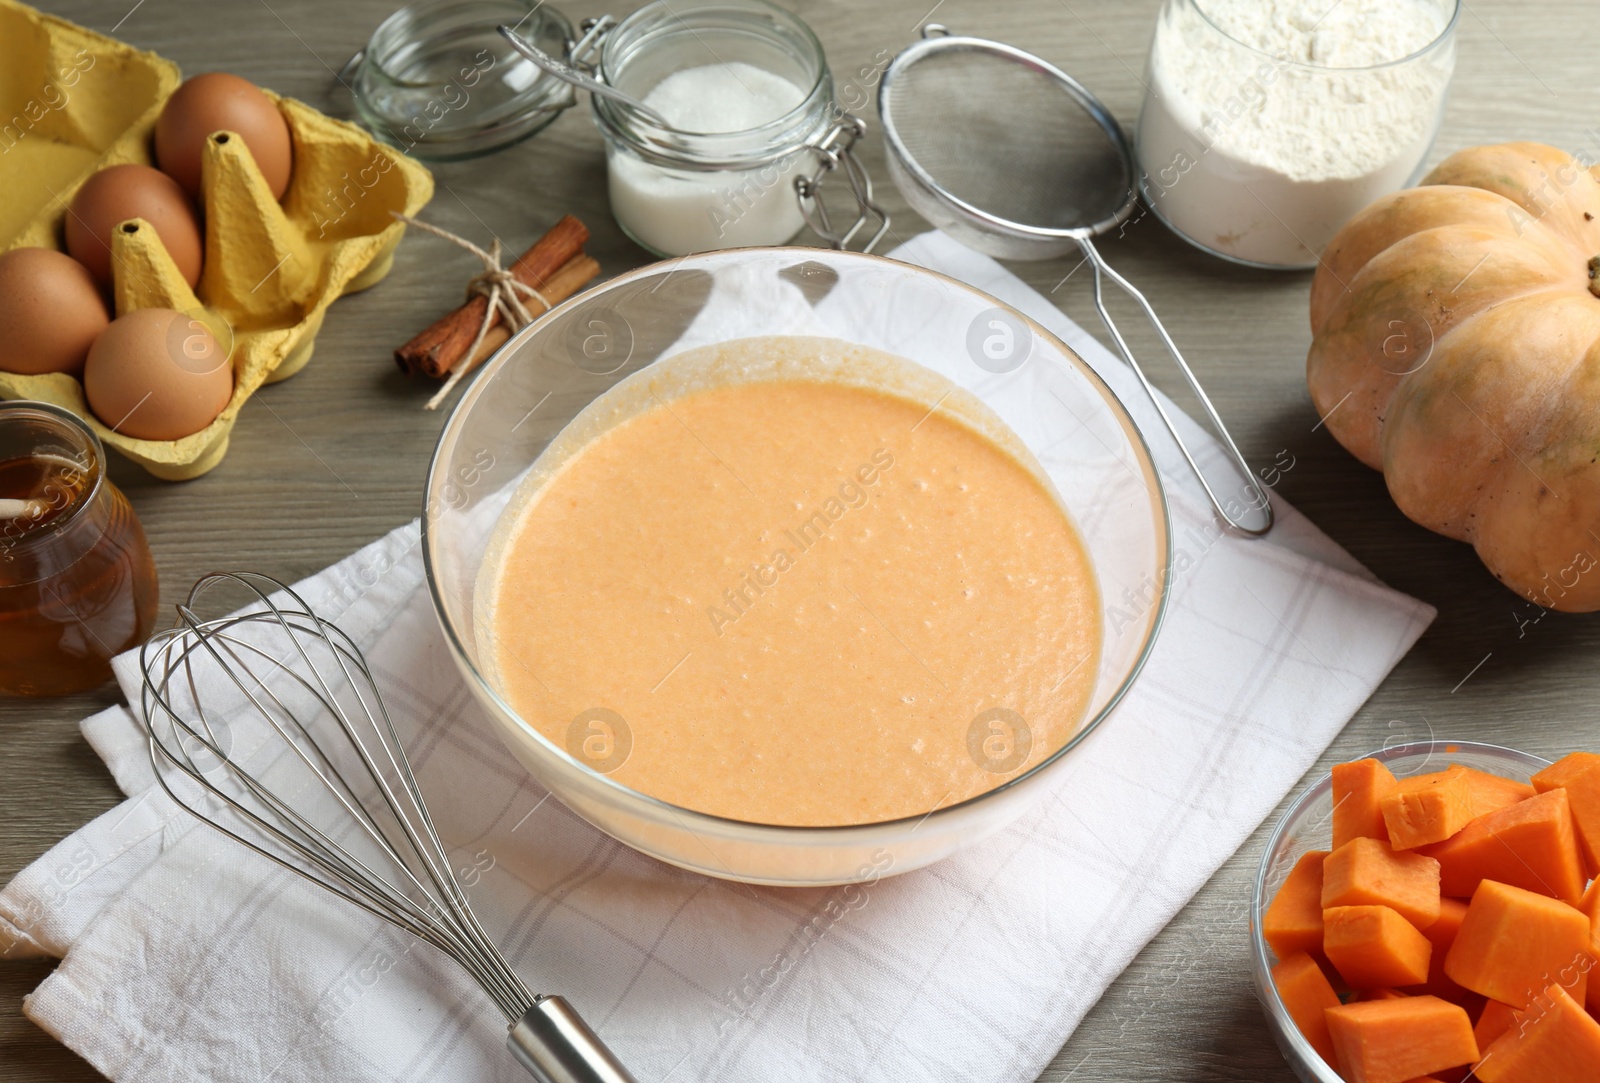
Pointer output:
x,y
502,289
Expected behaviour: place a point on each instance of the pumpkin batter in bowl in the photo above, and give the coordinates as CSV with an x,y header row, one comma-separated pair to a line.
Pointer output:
x,y
792,581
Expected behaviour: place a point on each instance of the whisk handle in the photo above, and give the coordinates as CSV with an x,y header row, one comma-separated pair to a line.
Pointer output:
x,y
555,1045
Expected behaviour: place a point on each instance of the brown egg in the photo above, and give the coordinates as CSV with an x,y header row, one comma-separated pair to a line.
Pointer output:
x,y
50,312
157,374
120,192
214,102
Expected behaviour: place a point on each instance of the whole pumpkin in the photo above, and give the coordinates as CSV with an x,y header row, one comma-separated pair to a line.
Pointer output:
x,y
1456,348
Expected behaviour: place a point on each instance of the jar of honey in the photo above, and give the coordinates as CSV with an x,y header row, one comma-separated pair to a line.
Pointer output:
x,y
77,584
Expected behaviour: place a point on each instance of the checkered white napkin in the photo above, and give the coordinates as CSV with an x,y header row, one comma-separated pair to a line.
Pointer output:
x,y
184,957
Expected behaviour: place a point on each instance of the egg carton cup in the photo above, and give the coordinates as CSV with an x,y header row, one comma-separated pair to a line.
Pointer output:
x,y
270,271
72,102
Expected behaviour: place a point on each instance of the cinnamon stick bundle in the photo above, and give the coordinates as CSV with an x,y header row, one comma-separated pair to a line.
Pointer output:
x,y
443,345
569,278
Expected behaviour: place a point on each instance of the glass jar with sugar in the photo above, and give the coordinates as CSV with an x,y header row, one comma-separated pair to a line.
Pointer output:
x,y
753,126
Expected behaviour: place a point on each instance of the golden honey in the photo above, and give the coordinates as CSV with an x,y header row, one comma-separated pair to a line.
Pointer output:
x,y
77,583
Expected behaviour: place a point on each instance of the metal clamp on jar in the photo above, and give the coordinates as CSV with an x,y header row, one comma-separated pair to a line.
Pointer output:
x,y
710,113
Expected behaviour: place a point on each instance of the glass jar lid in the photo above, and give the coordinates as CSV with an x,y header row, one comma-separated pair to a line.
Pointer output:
x,y
438,80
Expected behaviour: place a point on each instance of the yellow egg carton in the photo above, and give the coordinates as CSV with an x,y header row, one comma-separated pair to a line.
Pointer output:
x,y
73,102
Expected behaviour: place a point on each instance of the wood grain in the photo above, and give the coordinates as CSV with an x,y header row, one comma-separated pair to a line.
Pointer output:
x,y
335,456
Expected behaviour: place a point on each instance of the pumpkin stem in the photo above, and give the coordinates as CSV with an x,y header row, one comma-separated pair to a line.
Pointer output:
x,y
1594,275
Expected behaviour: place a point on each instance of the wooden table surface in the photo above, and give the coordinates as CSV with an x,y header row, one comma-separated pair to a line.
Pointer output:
x,y
329,460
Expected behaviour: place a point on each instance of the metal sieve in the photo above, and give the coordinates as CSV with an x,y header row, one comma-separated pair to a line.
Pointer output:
x,y
1015,158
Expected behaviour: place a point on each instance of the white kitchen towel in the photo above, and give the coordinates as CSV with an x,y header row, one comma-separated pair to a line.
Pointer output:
x,y
186,957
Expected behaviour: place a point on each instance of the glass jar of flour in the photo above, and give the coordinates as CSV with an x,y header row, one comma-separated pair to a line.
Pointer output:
x,y
754,126
1268,124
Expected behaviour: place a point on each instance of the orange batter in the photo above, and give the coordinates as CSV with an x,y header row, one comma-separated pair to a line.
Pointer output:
x,y
795,601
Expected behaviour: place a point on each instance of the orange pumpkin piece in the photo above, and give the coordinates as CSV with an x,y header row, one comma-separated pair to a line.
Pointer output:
x,y
1590,906
1394,1041
1564,770
1497,1018
1442,934
1558,1042
1294,920
1369,872
1514,943
1491,792
1306,995
1374,947
1427,809
1358,787
1579,775
1531,845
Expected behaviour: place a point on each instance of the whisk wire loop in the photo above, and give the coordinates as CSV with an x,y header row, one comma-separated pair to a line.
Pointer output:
x,y
444,916
326,743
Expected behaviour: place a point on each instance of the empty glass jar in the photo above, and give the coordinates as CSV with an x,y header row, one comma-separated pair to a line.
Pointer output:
x,y
438,81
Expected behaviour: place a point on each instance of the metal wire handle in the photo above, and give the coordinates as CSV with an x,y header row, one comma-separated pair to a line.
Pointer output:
x,y
834,152
419,892
1259,501
576,75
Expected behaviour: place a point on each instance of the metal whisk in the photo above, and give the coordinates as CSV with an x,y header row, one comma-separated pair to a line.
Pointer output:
x,y
326,738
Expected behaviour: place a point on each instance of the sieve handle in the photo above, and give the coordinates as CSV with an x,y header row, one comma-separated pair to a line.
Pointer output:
x,y
1254,516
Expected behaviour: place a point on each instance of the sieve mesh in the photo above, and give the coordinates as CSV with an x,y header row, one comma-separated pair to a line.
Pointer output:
x,y
1008,139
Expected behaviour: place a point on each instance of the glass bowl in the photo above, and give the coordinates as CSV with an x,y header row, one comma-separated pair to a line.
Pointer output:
x,y
1308,825
1078,432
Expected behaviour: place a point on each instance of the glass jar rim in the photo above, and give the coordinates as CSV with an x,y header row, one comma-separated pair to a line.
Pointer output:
x,y
68,422
1444,35
395,31
786,134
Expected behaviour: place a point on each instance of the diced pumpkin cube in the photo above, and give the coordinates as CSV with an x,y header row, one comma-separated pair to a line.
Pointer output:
x,y
1579,775
1556,1042
1394,1041
1497,1018
1369,872
1491,792
1442,934
1564,770
1513,943
1374,947
1306,995
1357,789
1294,920
1379,994
1427,809
1531,845
1590,906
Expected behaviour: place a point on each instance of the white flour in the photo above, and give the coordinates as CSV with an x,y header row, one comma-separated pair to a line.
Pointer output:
x,y
1262,146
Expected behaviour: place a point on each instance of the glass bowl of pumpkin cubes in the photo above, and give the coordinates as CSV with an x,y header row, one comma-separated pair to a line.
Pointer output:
x,y
1426,913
